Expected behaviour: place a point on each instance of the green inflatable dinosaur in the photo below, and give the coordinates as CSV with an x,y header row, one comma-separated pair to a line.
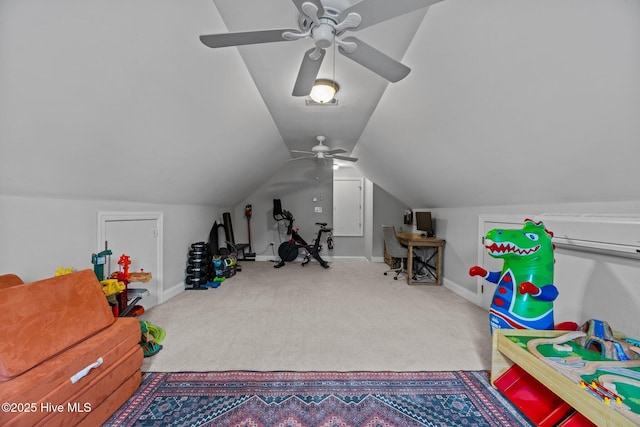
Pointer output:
x,y
525,293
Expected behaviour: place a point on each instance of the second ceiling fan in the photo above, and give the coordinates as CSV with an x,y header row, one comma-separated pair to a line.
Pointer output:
x,y
322,152
326,21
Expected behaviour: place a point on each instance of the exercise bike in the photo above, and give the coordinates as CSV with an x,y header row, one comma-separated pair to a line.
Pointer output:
x,y
289,250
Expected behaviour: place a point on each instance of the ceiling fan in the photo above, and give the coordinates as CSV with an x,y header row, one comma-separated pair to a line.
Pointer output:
x,y
325,22
322,152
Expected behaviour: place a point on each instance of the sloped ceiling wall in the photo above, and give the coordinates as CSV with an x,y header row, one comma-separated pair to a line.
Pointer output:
x,y
119,100
508,102
513,102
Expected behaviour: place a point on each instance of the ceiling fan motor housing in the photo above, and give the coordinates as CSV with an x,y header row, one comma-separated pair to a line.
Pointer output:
x,y
323,34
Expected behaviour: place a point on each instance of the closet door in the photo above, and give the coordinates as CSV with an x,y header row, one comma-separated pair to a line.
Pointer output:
x,y
348,197
138,235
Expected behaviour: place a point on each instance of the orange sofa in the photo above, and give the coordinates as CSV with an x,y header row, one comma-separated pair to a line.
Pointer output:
x,y
64,358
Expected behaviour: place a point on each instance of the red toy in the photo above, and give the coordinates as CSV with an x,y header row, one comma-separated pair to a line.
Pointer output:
x,y
124,262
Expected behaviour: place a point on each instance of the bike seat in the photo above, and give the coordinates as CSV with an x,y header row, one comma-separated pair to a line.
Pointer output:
x,y
322,224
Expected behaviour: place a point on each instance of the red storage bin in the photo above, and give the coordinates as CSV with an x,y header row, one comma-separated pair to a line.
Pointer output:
x,y
537,402
577,420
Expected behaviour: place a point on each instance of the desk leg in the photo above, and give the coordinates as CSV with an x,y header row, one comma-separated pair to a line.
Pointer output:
x,y
409,263
439,264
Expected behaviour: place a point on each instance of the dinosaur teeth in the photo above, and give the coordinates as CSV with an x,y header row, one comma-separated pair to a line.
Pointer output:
x,y
508,247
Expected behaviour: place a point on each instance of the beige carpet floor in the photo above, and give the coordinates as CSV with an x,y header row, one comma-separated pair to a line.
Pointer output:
x,y
349,317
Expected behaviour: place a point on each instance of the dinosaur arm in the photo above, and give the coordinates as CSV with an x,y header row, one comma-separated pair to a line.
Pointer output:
x,y
548,293
544,293
476,270
491,276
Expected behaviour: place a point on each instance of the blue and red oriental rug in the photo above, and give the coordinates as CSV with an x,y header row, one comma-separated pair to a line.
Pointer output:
x,y
322,399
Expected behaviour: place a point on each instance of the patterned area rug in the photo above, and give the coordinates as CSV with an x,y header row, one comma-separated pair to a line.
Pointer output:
x,y
323,399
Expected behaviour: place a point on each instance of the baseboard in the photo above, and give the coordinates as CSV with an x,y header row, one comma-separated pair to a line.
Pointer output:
x,y
377,259
267,258
326,257
346,258
173,291
463,292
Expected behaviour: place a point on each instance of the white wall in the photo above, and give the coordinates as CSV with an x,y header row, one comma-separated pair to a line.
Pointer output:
x,y
38,235
512,102
591,286
296,184
120,100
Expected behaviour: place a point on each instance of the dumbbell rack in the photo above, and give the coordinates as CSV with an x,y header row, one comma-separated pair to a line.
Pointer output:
x,y
198,266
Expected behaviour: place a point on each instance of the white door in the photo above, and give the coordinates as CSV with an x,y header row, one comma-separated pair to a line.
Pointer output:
x,y
139,238
487,223
347,207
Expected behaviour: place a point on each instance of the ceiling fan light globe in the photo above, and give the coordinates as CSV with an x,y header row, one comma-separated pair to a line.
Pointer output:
x,y
323,91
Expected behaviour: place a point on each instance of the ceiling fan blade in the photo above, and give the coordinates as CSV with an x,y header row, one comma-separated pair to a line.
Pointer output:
x,y
347,158
300,158
249,37
376,11
316,3
308,72
336,151
376,61
301,151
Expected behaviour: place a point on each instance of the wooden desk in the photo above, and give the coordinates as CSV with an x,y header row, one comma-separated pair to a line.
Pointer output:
x,y
412,240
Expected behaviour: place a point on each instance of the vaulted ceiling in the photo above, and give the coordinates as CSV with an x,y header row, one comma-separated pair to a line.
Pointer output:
x,y
508,102
274,68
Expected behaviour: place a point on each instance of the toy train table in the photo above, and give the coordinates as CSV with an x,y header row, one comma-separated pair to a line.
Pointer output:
x,y
527,364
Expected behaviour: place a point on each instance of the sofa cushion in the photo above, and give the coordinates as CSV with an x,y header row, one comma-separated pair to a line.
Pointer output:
x,y
51,382
43,318
9,280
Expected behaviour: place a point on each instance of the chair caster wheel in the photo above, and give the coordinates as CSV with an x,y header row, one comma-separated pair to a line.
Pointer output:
x,y
385,273
395,278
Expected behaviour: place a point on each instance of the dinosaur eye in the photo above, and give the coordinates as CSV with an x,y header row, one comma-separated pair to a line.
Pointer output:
x,y
532,236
